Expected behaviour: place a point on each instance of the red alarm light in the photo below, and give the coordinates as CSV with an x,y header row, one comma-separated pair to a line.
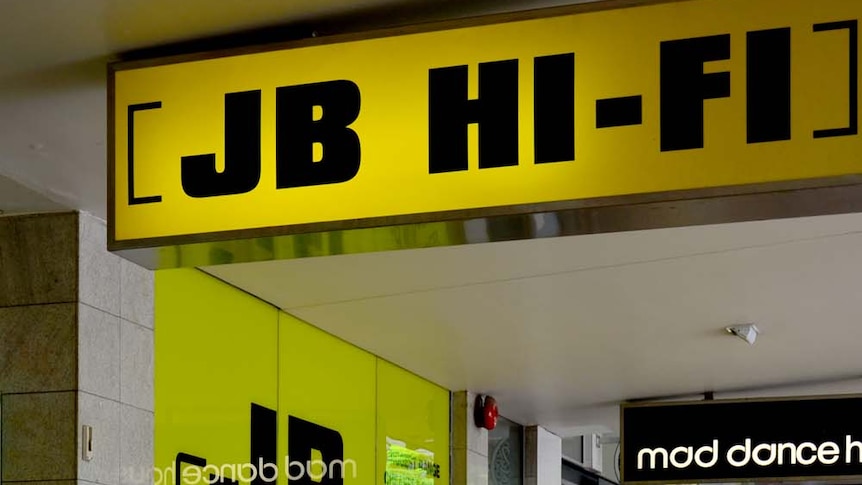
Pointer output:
x,y
485,412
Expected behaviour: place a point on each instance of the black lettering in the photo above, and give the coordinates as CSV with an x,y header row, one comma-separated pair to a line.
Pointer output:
x,y
188,459
242,152
554,108
297,131
768,81
134,108
625,111
495,110
852,128
304,436
264,428
684,87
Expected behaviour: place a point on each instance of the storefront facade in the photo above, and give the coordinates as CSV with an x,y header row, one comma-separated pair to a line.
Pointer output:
x,y
581,120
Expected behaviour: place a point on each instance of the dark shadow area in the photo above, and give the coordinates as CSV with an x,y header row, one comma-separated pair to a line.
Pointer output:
x,y
55,78
359,20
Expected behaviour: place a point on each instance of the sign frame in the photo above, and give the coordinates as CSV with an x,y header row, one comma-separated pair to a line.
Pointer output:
x,y
709,402
676,208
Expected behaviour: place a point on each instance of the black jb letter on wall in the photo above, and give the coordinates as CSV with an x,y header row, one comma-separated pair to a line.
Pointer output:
x,y
495,110
684,86
264,440
189,460
297,131
241,148
304,436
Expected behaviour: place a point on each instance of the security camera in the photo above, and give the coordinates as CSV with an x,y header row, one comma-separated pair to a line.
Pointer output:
x,y
747,332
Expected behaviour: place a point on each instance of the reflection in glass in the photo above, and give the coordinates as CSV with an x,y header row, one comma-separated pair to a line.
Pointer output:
x,y
408,467
505,453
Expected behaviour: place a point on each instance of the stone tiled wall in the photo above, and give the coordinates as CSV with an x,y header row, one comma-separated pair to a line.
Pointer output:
x,y
115,362
38,351
469,443
76,348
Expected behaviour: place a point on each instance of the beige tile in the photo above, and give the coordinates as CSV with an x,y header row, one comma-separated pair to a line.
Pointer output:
x,y
136,365
136,446
477,438
103,416
99,270
38,436
469,468
136,291
459,466
477,468
38,348
98,352
38,259
465,433
531,446
459,419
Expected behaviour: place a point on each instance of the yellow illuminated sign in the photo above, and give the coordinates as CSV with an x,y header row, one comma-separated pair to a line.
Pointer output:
x,y
678,95
248,395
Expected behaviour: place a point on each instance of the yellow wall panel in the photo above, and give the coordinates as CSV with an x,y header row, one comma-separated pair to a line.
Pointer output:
x,y
219,351
215,354
414,412
331,383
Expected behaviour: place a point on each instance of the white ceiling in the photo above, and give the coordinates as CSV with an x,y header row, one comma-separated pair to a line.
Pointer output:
x,y
560,330
16,198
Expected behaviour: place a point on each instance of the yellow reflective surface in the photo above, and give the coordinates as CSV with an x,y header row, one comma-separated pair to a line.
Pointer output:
x,y
219,350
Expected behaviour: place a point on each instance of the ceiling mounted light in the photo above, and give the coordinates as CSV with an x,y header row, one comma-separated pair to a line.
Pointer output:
x,y
747,332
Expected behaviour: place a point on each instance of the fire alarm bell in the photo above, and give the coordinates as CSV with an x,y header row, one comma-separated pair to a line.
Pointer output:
x,y
485,412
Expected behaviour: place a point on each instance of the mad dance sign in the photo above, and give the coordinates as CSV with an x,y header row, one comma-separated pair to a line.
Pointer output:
x,y
740,440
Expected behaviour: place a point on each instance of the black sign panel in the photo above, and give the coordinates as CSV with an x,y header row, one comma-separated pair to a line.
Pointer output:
x,y
740,440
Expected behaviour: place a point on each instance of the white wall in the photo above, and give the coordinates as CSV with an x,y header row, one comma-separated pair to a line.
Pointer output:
x,y
543,461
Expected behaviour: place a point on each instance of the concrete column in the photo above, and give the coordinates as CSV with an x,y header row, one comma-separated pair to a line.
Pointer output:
x,y
469,443
38,347
115,362
543,459
75,349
